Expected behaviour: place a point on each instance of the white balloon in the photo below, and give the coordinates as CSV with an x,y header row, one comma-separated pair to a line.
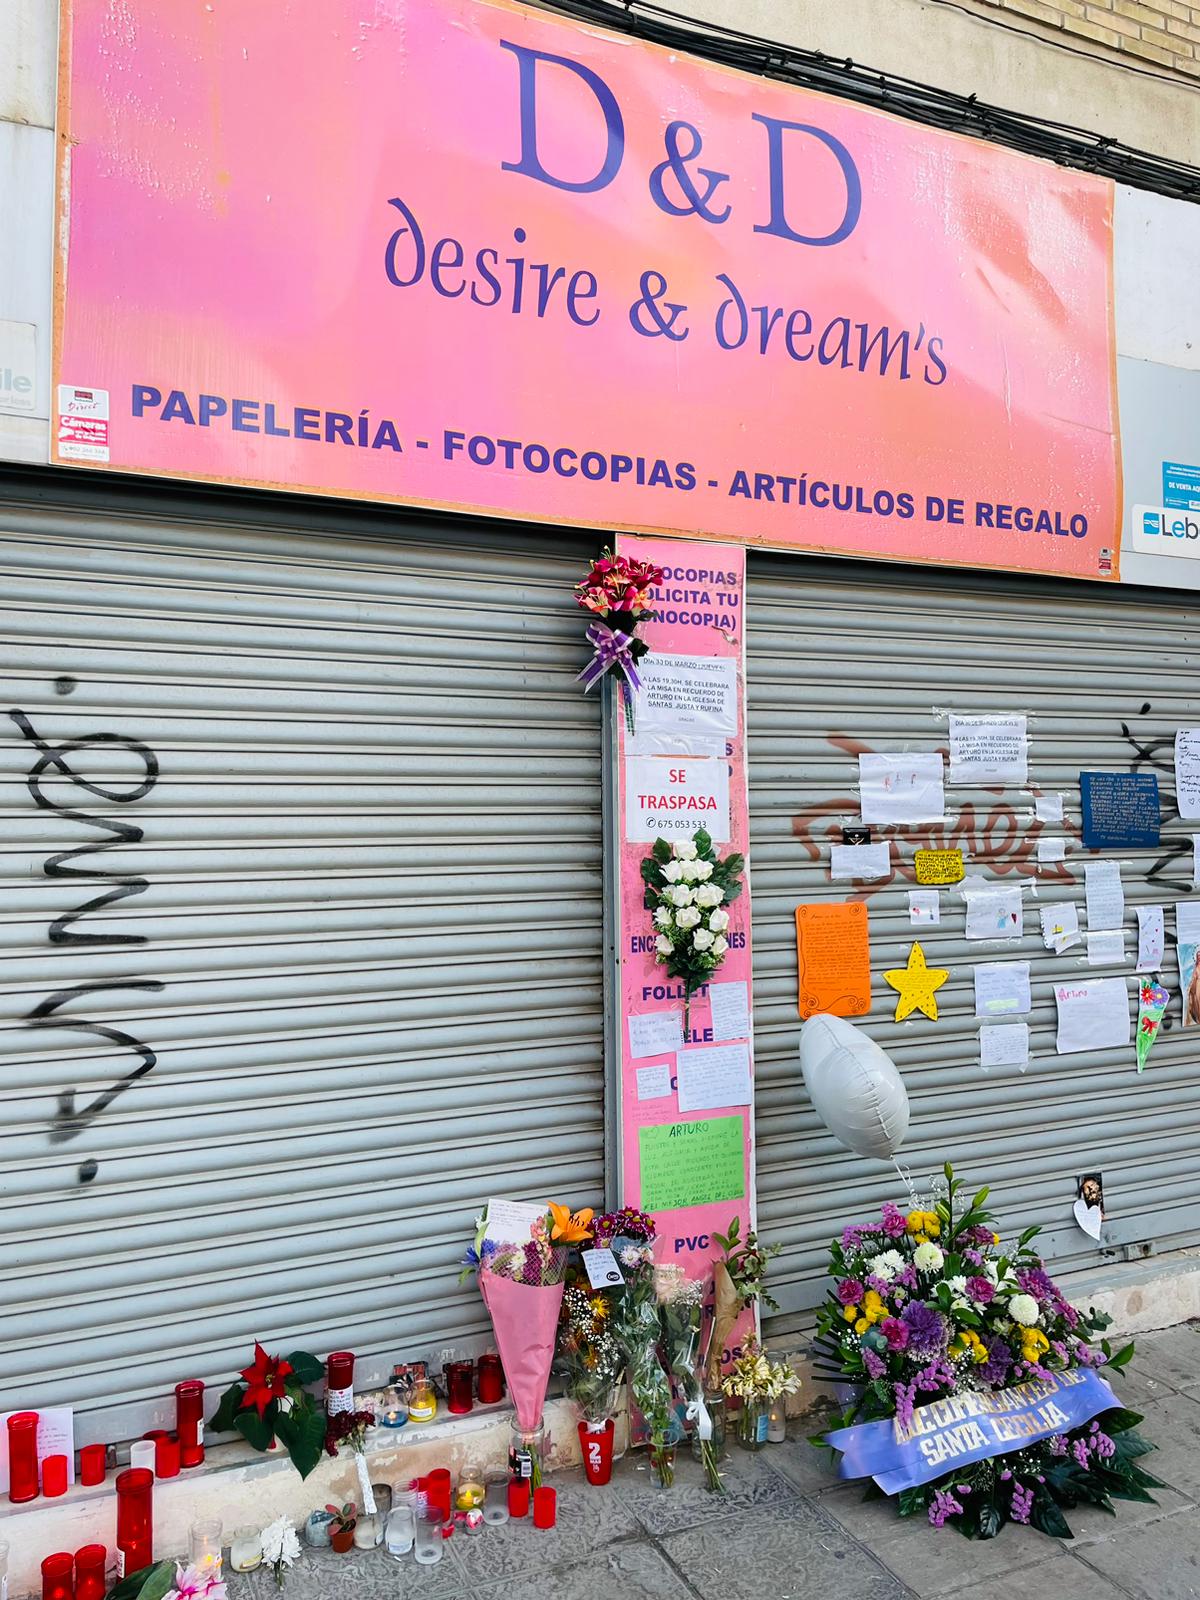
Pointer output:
x,y
854,1086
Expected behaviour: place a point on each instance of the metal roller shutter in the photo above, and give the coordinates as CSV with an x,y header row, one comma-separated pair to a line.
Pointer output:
x,y
371,919
846,658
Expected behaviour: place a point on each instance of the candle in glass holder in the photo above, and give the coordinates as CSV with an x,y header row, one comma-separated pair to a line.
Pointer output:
x,y
245,1549
422,1402
89,1572
471,1488
339,1382
166,1456
22,1456
58,1577
135,1519
93,1463
491,1379
393,1409
189,1421
204,1539
460,1386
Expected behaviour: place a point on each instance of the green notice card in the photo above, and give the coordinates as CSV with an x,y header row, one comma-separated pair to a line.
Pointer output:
x,y
693,1163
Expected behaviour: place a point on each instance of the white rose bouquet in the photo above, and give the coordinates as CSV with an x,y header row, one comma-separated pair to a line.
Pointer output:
x,y
689,890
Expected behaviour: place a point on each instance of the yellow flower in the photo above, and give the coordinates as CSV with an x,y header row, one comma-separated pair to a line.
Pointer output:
x,y
599,1307
873,1304
861,1325
995,1238
915,1222
851,1313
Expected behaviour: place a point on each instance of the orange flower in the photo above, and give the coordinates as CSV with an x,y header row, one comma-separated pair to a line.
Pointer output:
x,y
570,1229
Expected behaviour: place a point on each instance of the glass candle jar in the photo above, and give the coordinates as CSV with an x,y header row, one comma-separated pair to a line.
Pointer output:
x,y
429,1537
460,1386
422,1402
54,1476
366,1532
525,1453
245,1550
204,1539
93,1464
752,1424
777,1422
491,1379
189,1421
400,1531
141,1453
135,1518
22,1456
58,1577
89,1572
470,1490
393,1408
495,1498
167,1456
339,1382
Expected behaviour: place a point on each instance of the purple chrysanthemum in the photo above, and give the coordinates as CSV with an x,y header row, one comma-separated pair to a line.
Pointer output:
x,y
926,1329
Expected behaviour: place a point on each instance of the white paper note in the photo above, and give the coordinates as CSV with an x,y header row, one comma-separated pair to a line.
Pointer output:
x,y
1060,926
653,1083
1049,807
1093,1015
1151,938
924,906
905,788
511,1221
994,914
669,798
1105,896
687,694
1187,771
860,860
1000,987
730,1011
1051,849
714,1077
1006,1045
55,1437
1106,948
601,1267
988,750
656,1033
1196,861
1187,921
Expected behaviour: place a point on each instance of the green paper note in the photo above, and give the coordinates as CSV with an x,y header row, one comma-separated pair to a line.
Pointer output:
x,y
693,1163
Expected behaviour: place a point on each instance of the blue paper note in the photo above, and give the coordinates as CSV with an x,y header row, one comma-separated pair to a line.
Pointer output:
x,y
1120,809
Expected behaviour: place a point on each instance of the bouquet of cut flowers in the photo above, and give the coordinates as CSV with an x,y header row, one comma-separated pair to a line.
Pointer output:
x,y
589,1357
269,1402
937,1328
636,1326
521,1281
681,1309
688,888
616,592
757,1382
352,1428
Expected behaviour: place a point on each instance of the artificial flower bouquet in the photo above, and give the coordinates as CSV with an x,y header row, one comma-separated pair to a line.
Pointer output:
x,y
688,888
978,1396
270,1402
616,592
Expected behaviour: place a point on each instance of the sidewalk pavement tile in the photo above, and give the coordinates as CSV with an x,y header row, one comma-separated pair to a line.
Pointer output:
x,y
1158,1561
1060,1578
587,1520
792,1552
1173,1355
633,1571
1174,1427
936,1561
751,1484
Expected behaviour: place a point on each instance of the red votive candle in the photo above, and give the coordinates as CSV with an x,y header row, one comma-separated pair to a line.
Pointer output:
x,y
167,1455
491,1379
54,1476
339,1382
89,1572
545,1506
460,1384
22,1456
93,1464
518,1498
135,1517
58,1577
189,1421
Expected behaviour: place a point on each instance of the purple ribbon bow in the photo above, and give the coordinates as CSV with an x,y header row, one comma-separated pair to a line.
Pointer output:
x,y
612,650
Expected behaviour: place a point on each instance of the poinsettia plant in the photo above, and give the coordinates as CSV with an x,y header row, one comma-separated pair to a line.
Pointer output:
x,y
269,1402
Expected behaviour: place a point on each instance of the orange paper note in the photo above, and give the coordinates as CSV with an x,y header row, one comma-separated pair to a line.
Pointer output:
x,y
834,955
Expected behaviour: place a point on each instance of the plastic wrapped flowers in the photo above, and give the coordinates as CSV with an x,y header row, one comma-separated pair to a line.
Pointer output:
x,y
977,1396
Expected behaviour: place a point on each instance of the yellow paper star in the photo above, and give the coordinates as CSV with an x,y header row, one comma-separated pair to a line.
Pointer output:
x,y
916,985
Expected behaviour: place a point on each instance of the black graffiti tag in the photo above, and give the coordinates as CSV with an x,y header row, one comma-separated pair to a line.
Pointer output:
x,y
54,762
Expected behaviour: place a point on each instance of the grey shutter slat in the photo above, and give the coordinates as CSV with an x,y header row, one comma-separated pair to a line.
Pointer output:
x,y
846,656
374,906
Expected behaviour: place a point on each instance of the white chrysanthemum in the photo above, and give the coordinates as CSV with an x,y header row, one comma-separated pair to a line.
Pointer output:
x,y
279,1542
881,1267
928,1258
1024,1309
